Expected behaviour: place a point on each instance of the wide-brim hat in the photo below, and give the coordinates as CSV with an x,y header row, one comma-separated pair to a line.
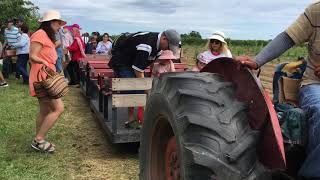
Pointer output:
x,y
52,15
218,35
167,54
76,26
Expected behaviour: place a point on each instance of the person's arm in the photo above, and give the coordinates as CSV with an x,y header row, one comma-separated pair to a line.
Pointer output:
x,y
274,49
297,33
35,49
58,43
141,60
109,46
73,47
172,68
139,74
21,43
154,71
99,47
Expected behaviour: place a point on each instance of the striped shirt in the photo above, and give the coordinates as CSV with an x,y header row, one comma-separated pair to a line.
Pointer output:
x,y
12,35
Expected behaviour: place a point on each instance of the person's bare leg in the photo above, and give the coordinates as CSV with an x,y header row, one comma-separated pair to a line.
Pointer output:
x,y
2,80
43,112
57,109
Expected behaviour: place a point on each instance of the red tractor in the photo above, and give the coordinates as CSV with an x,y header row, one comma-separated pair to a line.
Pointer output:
x,y
217,124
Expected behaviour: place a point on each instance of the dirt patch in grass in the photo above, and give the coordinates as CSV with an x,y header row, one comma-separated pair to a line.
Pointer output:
x,y
99,159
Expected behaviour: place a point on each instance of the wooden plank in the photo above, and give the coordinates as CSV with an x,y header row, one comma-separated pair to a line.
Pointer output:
x,y
125,84
128,100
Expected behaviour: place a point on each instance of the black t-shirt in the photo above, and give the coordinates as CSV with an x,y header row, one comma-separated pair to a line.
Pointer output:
x,y
138,52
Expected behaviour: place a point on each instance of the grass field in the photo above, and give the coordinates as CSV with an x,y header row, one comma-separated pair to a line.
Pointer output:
x,y
82,149
191,51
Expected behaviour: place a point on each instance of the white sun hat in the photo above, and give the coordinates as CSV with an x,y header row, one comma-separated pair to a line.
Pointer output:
x,y
52,15
218,35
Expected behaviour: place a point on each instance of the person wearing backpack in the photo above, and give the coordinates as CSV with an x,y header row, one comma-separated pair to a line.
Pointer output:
x,y
132,53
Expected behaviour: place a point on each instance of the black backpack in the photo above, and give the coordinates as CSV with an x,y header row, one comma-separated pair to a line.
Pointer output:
x,y
121,42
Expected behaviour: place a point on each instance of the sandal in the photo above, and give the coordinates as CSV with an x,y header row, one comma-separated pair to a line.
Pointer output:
x,y
133,124
43,146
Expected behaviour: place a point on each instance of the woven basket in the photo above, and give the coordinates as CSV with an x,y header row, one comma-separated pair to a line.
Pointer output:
x,y
53,86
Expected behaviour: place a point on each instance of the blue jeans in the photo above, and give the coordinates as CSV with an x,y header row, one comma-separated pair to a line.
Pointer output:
x,y
22,62
310,102
7,63
59,67
124,73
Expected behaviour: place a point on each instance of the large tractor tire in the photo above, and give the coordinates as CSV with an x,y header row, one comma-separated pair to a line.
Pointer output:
x,y
194,128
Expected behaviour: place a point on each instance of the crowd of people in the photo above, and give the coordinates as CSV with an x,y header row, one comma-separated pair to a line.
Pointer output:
x,y
54,45
70,46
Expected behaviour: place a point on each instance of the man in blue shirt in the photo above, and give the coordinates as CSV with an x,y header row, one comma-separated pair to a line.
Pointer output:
x,y
12,36
22,47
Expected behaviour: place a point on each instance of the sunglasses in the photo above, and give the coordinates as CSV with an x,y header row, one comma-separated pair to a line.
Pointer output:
x,y
214,41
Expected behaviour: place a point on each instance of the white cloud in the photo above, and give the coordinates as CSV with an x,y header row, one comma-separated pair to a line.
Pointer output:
x,y
250,19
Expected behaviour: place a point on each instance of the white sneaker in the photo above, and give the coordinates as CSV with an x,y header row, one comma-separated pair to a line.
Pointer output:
x,y
4,84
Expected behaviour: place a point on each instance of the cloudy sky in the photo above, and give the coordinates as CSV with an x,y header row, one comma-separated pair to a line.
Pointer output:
x,y
248,19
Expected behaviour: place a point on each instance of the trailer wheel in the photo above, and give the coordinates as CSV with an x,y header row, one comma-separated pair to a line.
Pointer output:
x,y
194,128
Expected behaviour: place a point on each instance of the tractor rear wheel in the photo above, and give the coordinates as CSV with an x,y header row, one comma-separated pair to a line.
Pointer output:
x,y
194,128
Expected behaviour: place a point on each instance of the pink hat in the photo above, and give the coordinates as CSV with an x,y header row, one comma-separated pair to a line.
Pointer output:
x,y
72,26
76,26
167,54
204,58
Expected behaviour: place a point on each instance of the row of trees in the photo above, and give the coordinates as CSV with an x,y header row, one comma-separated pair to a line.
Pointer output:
x,y
16,9
195,38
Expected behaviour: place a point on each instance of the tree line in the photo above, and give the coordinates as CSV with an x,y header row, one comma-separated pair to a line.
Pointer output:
x,y
195,38
18,8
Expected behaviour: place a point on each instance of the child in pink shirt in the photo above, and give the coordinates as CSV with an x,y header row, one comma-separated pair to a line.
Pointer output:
x,y
165,64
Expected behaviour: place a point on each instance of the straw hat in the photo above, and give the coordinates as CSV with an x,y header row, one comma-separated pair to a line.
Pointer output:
x,y
167,54
52,15
218,35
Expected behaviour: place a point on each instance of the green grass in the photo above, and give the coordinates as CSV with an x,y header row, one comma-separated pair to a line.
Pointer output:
x,y
17,126
82,151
